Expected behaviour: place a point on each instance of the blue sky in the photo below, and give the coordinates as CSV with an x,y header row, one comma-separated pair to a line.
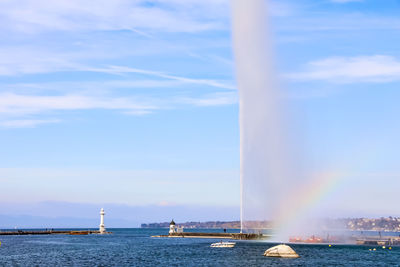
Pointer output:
x,y
134,103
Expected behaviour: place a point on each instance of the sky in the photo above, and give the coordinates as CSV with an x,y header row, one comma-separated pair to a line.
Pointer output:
x,y
132,106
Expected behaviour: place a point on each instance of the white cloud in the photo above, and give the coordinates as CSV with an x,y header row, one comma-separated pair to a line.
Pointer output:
x,y
216,99
48,37
28,60
76,15
22,105
16,105
122,69
21,110
140,16
15,60
377,68
27,111
25,123
336,21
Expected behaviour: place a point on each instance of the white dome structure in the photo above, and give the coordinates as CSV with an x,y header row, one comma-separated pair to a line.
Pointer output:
x,y
281,251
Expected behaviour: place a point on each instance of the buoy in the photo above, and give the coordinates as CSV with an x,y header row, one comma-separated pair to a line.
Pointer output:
x,y
390,247
281,251
370,249
383,247
374,249
330,245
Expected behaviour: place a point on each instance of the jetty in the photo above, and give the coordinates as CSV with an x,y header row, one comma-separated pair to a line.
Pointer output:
x,y
379,241
236,236
52,232
177,232
102,230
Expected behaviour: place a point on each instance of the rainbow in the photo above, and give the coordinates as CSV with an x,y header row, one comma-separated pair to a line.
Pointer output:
x,y
296,205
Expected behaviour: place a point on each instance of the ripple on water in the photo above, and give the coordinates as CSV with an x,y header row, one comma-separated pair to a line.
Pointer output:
x,y
134,247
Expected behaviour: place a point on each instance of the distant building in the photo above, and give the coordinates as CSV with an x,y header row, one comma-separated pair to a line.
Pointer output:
x,y
179,229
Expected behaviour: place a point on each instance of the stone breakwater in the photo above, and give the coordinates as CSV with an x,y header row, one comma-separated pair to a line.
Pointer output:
x,y
51,232
237,236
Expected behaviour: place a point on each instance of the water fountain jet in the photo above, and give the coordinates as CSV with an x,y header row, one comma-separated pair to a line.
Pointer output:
x,y
266,175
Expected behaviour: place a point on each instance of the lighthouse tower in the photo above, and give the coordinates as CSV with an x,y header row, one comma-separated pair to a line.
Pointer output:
x,y
172,228
102,229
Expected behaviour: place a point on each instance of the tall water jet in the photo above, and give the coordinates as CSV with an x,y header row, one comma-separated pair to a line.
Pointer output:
x,y
274,186
265,165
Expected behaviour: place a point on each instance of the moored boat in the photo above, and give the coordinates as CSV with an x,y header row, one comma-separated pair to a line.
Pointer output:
x,y
223,245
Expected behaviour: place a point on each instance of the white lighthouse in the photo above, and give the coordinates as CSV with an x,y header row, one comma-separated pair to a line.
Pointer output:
x,y
172,228
102,228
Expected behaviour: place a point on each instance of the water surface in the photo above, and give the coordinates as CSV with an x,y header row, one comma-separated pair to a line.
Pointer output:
x,y
135,247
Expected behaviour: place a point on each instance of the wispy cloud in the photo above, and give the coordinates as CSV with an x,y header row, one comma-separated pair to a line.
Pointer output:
x,y
140,16
216,99
26,60
122,69
22,110
26,123
377,68
97,88
75,15
18,60
29,111
336,21
21,105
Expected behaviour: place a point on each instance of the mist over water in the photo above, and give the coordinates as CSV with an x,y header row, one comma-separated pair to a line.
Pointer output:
x,y
281,182
265,166
269,172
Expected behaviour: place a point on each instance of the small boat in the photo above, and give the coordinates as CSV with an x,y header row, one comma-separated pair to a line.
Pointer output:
x,y
223,245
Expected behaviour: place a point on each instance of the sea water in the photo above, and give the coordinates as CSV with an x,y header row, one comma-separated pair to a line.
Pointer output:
x,y
136,247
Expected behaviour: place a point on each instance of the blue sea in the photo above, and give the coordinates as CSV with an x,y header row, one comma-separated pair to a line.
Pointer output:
x,y
136,247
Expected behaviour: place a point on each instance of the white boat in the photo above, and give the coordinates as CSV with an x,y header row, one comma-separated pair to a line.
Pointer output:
x,y
223,245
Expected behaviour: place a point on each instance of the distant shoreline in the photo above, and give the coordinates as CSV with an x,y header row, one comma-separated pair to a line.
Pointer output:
x,y
391,224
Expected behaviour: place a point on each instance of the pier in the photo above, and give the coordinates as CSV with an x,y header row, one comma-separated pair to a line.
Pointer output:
x,y
102,230
379,241
51,232
237,236
177,231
